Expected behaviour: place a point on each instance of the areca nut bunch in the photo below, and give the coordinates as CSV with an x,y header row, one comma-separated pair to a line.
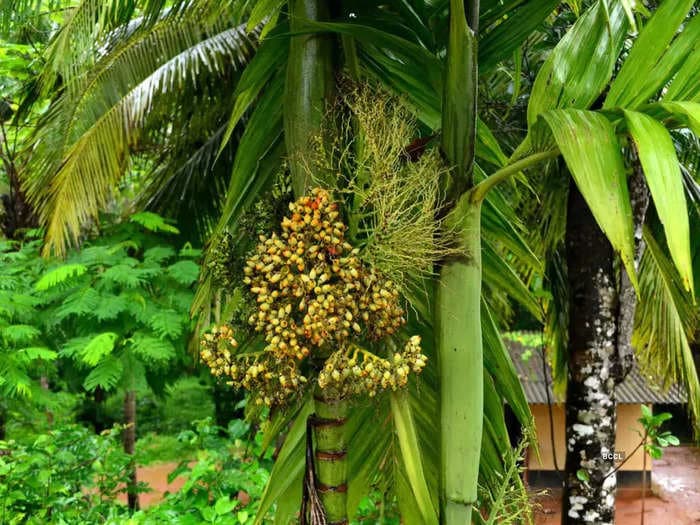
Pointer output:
x,y
315,298
253,372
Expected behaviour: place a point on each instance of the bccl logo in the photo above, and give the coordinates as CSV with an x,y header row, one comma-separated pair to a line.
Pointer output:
x,y
613,456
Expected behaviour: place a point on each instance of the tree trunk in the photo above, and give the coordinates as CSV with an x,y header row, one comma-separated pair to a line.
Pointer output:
x,y
130,447
98,416
458,295
331,456
18,214
590,396
459,342
309,84
44,381
308,87
639,196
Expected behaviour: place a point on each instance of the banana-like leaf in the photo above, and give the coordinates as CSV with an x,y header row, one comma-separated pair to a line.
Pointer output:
x,y
592,152
580,66
687,112
651,61
663,174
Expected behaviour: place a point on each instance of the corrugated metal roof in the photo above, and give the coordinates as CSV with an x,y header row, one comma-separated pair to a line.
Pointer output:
x,y
634,389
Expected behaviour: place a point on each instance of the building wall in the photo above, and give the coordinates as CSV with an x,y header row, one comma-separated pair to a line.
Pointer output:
x,y
626,440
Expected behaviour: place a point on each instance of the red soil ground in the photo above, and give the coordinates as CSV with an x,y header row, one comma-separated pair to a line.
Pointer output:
x,y
674,498
157,478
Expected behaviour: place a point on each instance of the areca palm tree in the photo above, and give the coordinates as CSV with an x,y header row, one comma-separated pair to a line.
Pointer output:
x,y
119,96
597,305
100,106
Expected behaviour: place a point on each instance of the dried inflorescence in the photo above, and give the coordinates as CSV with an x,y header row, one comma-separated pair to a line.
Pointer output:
x,y
314,296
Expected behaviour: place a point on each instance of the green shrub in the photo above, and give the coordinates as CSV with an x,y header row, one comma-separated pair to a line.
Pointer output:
x,y
68,475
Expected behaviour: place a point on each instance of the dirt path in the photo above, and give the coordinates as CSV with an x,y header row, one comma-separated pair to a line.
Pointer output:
x,y
674,498
156,476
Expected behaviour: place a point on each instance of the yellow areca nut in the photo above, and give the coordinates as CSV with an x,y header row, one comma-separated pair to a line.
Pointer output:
x,y
313,293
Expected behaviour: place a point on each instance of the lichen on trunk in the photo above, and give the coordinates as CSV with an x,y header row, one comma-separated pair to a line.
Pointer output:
x,y
639,196
589,493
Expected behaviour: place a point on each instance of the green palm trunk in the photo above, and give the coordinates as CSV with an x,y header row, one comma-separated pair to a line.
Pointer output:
x,y
458,296
331,455
309,84
461,369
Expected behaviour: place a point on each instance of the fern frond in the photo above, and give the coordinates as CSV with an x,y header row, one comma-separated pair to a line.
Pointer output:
x,y
73,347
98,347
184,272
151,349
158,254
83,301
60,275
105,375
110,306
14,380
33,353
166,323
18,334
128,276
153,222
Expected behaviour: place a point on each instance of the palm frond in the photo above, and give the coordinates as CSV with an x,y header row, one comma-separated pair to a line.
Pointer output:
x,y
664,324
93,129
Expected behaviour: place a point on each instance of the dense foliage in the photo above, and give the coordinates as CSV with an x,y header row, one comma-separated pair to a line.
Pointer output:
x,y
379,188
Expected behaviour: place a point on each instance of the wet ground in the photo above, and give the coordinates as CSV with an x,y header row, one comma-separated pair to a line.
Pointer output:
x,y
674,497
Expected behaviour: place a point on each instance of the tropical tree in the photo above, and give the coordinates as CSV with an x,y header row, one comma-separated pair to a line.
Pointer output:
x,y
121,305
378,51
428,54
601,306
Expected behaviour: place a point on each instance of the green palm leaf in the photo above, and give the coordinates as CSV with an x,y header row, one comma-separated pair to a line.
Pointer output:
x,y
657,155
592,152
664,322
76,171
652,61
